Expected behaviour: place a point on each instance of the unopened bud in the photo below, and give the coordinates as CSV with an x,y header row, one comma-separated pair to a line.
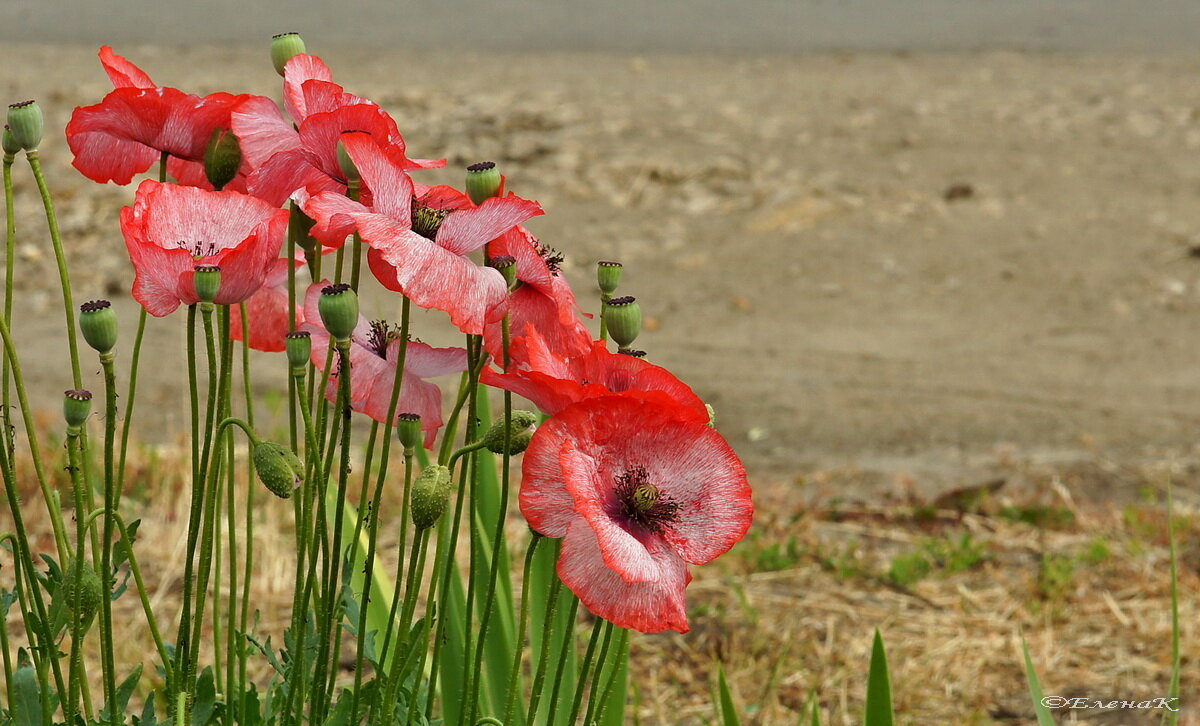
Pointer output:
x,y
278,468
208,282
284,47
338,307
623,318
9,142
520,432
222,158
298,345
483,181
82,592
608,276
430,494
77,406
408,430
98,323
25,122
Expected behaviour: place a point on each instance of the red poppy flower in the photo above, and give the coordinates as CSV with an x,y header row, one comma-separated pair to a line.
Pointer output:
x,y
553,382
419,236
170,229
544,300
127,132
267,316
637,494
374,354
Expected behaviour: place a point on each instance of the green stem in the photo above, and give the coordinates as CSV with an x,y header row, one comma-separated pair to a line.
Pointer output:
x,y
74,673
131,393
519,645
10,255
622,655
539,680
568,641
599,669
249,567
585,670
106,573
64,275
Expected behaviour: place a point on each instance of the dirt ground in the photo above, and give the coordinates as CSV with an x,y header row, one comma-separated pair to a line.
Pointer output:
x,y
919,264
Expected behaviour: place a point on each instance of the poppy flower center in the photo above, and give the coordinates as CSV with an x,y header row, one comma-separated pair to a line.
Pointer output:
x,y
552,257
426,220
643,502
199,248
380,337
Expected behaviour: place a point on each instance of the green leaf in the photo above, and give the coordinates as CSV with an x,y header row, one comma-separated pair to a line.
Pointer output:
x,y
816,712
727,712
879,687
1035,689
617,673
206,699
124,692
27,708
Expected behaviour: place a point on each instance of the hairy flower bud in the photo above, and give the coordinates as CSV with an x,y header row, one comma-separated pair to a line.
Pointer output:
x,y
408,430
208,282
623,318
222,158
430,494
77,406
278,468
86,588
338,307
483,181
9,142
298,345
285,47
520,432
98,323
25,122
608,276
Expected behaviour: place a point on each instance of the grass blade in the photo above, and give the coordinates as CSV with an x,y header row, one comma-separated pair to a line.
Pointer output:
x,y
879,687
1171,716
1035,689
726,709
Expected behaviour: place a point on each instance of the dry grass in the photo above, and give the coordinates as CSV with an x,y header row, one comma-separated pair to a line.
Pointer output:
x,y
792,610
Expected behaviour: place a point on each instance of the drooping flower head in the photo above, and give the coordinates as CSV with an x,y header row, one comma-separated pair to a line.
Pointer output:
x,y
127,132
637,493
374,357
171,229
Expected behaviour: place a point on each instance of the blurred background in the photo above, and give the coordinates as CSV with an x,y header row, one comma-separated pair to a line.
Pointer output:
x,y
915,238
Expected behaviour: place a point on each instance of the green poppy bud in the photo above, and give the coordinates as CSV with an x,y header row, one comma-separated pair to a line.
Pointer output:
x,y
521,431
25,122
483,181
507,265
222,158
98,323
9,142
77,406
608,276
208,282
86,587
338,306
408,430
346,164
623,317
278,468
285,47
430,494
298,345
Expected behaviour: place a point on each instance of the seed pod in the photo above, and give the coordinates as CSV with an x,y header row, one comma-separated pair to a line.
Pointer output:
x,y
25,122
207,279
507,265
483,181
623,317
430,494
408,430
77,406
278,468
284,47
9,142
90,591
222,158
338,307
98,323
608,276
346,164
520,429
298,345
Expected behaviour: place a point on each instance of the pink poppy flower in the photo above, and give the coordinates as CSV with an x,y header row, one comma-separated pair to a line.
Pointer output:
x,y
287,159
553,382
544,301
637,494
418,237
374,354
170,229
126,133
